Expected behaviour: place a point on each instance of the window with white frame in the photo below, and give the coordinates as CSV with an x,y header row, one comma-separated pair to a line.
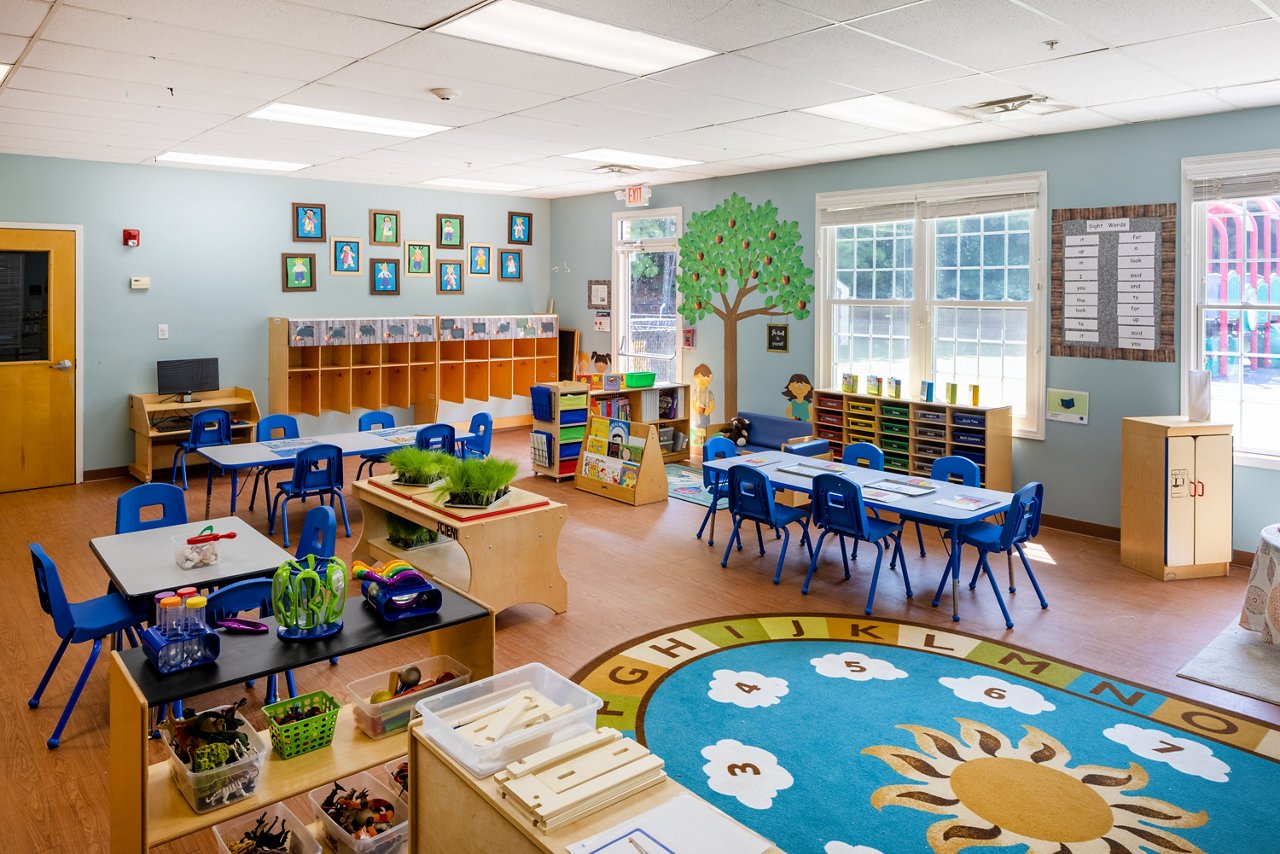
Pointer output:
x,y
1231,292
938,282
646,327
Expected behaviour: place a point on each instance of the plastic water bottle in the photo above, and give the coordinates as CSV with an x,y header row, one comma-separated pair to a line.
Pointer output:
x,y
192,645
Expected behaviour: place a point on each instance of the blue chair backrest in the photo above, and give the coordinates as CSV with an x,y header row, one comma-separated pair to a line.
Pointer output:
x,y
961,468
837,505
253,594
318,467
210,427
319,533
276,427
376,420
863,452
171,500
436,437
717,448
1022,522
751,494
482,428
53,599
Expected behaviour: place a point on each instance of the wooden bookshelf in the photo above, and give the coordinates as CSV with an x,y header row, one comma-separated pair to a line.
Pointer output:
x,y
564,422
651,477
642,404
154,441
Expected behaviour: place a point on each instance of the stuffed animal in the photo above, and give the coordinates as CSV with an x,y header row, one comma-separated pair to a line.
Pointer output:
x,y
739,431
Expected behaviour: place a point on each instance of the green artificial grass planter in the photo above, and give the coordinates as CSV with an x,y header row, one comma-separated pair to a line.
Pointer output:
x,y
418,467
404,534
475,482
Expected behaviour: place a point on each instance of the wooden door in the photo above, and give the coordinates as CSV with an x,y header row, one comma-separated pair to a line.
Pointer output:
x,y
1180,502
37,358
1213,499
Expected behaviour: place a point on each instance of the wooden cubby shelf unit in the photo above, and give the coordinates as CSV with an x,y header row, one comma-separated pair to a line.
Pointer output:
x,y
562,417
913,433
643,408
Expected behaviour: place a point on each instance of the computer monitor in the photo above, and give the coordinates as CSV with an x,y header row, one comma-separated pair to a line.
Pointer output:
x,y
184,376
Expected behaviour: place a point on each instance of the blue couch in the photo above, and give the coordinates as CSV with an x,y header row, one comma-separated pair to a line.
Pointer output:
x,y
770,432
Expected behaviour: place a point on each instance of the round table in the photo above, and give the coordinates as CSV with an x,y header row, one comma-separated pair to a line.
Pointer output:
x,y
1261,612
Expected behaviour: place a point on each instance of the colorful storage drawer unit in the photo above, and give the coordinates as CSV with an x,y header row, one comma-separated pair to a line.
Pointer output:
x,y
900,428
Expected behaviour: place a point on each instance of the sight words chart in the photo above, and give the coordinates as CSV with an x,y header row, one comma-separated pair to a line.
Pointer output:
x,y
1112,294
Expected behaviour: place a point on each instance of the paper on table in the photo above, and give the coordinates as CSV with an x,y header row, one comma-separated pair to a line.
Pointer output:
x,y
879,495
753,461
965,502
913,487
683,825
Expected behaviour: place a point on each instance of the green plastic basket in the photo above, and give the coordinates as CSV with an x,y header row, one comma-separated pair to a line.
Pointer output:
x,y
299,737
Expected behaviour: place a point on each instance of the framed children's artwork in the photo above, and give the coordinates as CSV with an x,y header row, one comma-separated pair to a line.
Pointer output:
x,y
777,338
384,228
298,272
448,277
689,338
384,276
417,259
520,228
346,256
511,265
308,223
599,294
479,259
448,231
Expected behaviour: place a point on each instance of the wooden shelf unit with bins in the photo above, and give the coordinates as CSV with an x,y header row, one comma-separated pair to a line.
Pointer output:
x,y
338,365
913,433
496,356
651,478
563,418
643,408
154,443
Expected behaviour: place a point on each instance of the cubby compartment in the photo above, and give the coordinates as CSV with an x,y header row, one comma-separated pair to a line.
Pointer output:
x,y
500,378
395,354
523,375
501,349
972,420
828,401
366,388
452,385
476,380
422,352
304,357
422,394
395,386
547,347
304,392
545,369
452,351
938,416
475,351
363,355
335,389
335,356
525,348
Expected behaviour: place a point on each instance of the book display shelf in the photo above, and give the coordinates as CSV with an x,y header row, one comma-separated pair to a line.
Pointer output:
x,y
664,405
913,434
559,427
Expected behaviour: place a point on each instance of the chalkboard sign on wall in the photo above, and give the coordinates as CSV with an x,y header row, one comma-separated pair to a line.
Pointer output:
x,y
778,337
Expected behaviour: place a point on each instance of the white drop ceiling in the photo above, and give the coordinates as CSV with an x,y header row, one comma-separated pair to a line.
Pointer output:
x,y
128,80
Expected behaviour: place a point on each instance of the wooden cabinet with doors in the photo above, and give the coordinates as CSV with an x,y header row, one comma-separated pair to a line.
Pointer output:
x,y
1175,497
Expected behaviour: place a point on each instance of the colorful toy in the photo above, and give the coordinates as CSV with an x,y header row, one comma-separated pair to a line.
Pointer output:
x,y
401,778
263,838
739,430
397,590
308,596
358,814
209,740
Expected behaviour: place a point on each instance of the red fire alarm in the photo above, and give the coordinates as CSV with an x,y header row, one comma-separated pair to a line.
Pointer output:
x,y
132,236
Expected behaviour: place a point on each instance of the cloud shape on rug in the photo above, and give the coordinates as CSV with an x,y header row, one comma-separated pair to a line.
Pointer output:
x,y
998,694
855,667
746,688
846,848
1189,757
750,774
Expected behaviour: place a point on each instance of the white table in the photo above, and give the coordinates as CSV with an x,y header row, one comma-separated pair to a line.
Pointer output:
x,y
1261,612
923,508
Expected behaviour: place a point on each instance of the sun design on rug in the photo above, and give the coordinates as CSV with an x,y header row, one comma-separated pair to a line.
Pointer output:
x,y
999,794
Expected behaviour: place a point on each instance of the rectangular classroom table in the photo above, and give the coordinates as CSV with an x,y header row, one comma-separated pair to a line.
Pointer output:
x,y
147,808
922,508
142,563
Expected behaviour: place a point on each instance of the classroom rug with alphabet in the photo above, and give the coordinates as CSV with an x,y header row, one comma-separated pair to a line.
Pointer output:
x,y
831,734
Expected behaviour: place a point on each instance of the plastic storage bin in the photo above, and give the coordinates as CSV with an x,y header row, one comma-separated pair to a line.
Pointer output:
x,y
302,841
639,379
378,720
390,842
483,761
299,737
209,790
391,769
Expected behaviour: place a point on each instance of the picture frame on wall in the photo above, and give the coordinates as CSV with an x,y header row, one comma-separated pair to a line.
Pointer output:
x,y
384,276
520,228
417,258
599,294
511,265
777,338
297,272
449,232
479,259
384,228
689,337
308,222
449,277
346,256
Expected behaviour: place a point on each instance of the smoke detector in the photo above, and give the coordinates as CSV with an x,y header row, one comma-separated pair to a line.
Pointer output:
x,y
615,169
1017,106
445,94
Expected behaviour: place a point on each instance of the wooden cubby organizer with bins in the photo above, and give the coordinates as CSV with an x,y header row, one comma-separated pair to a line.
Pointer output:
x,y
642,408
914,433
560,415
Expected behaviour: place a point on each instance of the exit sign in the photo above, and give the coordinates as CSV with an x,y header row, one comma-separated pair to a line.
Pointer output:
x,y
637,196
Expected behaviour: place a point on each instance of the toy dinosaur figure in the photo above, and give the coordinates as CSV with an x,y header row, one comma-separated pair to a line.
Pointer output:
x,y
263,838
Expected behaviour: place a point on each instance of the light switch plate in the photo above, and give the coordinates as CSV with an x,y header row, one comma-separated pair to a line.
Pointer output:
x,y
162,331
139,283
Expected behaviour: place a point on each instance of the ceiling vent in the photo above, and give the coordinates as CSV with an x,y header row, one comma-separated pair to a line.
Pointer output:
x,y
1019,106
615,169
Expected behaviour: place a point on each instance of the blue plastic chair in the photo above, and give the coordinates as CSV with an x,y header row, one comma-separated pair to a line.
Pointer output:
x,y
317,470
208,427
437,437
376,420
751,500
716,448
166,496
272,427
864,455
252,594
960,470
1021,524
478,439
76,622
838,509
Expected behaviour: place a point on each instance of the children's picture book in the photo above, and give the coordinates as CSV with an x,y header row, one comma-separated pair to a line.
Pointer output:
x,y
632,452
966,502
629,475
754,461
598,445
619,431
907,486
600,428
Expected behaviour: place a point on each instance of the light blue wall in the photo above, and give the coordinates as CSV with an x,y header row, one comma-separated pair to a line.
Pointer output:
x,y
1136,164
211,243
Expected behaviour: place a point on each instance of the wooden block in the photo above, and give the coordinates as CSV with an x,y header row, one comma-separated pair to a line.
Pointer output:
x,y
466,713
549,756
606,799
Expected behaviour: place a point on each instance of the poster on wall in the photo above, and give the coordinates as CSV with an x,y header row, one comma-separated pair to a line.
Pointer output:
x,y
1069,406
1112,294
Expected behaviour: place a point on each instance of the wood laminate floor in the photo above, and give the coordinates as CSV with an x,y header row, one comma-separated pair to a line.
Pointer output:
x,y
630,571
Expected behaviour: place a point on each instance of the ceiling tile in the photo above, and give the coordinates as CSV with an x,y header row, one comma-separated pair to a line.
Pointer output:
x,y
1167,107
369,76
844,55
314,150
422,107
847,10
476,135
762,162
11,47
1092,78
982,34
521,127
576,111
22,17
76,106
1133,21
1064,122
441,165
1228,57
96,124
756,82
960,92
418,14
123,91
354,175
686,150
723,136
84,136
806,127
1254,95
348,141
650,96
74,150
439,146
898,144
969,134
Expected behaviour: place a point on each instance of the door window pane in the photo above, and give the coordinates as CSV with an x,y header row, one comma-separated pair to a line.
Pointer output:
x,y
652,325
24,306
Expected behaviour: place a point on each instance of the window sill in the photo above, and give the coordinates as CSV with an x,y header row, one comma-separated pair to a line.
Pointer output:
x,y
1256,461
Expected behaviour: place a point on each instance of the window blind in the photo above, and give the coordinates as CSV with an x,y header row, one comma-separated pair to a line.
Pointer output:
x,y
930,207
1218,187
892,212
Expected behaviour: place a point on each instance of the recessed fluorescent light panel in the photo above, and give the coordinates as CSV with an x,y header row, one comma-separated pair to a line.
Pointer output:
x,y
631,158
534,29
4,71
231,162
470,184
346,121
885,113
